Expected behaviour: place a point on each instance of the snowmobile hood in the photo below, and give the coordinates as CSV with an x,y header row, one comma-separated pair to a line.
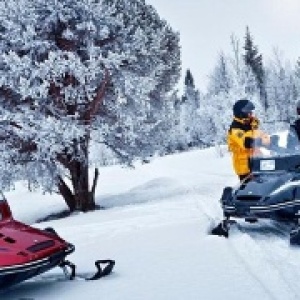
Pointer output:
x,y
20,243
262,185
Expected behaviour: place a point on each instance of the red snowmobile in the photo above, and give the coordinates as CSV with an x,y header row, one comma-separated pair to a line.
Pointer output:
x,y
26,251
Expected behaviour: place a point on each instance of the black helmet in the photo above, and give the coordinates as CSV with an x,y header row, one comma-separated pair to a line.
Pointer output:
x,y
242,108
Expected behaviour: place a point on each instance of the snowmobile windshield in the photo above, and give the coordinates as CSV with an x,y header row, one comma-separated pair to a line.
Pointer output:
x,y
279,144
280,151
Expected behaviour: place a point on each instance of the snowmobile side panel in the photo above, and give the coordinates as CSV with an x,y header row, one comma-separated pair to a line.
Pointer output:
x,y
11,275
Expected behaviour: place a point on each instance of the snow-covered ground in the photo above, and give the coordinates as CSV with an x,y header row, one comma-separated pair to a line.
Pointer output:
x,y
156,228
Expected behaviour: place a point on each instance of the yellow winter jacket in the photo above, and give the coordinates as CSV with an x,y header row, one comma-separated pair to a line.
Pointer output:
x,y
241,129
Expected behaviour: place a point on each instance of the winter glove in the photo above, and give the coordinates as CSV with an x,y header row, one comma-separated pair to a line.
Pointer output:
x,y
252,142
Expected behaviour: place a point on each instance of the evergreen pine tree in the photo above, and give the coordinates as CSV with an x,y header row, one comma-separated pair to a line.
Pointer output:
x,y
297,69
188,117
220,81
254,60
189,79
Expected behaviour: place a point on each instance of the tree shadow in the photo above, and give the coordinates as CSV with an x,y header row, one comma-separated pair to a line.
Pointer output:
x,y
159,189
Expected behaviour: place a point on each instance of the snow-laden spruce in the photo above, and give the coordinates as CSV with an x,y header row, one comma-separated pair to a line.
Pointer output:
x,y
74,73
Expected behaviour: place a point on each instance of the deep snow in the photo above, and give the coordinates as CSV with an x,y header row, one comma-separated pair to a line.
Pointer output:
x,y
155,226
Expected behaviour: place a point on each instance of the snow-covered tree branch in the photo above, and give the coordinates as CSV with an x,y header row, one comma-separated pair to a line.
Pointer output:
x,y
76,71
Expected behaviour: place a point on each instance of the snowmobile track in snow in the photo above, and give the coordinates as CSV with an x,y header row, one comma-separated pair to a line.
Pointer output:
x,y
259,258
259,248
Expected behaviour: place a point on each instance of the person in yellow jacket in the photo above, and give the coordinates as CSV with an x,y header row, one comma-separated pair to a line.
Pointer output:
x,y
244,137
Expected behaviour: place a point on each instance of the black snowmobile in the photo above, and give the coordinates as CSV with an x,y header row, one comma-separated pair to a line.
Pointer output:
x,y
272,190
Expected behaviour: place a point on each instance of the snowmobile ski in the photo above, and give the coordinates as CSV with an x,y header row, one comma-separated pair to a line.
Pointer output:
x,y
104,268
222,229
295,236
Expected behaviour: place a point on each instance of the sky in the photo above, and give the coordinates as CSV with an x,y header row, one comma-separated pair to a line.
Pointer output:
x,y
205,28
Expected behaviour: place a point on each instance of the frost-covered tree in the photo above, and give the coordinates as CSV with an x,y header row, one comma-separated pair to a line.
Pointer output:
x,y
188,114
78,72
215,116
185,132
254,60
243,82
172,141
220,81
297,68
281,90
232,79
189,79
297,80
191,93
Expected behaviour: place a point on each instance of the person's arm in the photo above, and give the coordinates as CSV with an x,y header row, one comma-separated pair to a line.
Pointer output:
x,y
257,138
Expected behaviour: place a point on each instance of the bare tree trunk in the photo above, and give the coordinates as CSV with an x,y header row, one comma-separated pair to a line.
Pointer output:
x,y
84,199
67,194
79,197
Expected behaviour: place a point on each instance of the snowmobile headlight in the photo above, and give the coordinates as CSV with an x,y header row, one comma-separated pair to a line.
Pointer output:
x,y
267,165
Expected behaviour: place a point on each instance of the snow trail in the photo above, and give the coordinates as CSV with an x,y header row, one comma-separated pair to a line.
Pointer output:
x,y
155,226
